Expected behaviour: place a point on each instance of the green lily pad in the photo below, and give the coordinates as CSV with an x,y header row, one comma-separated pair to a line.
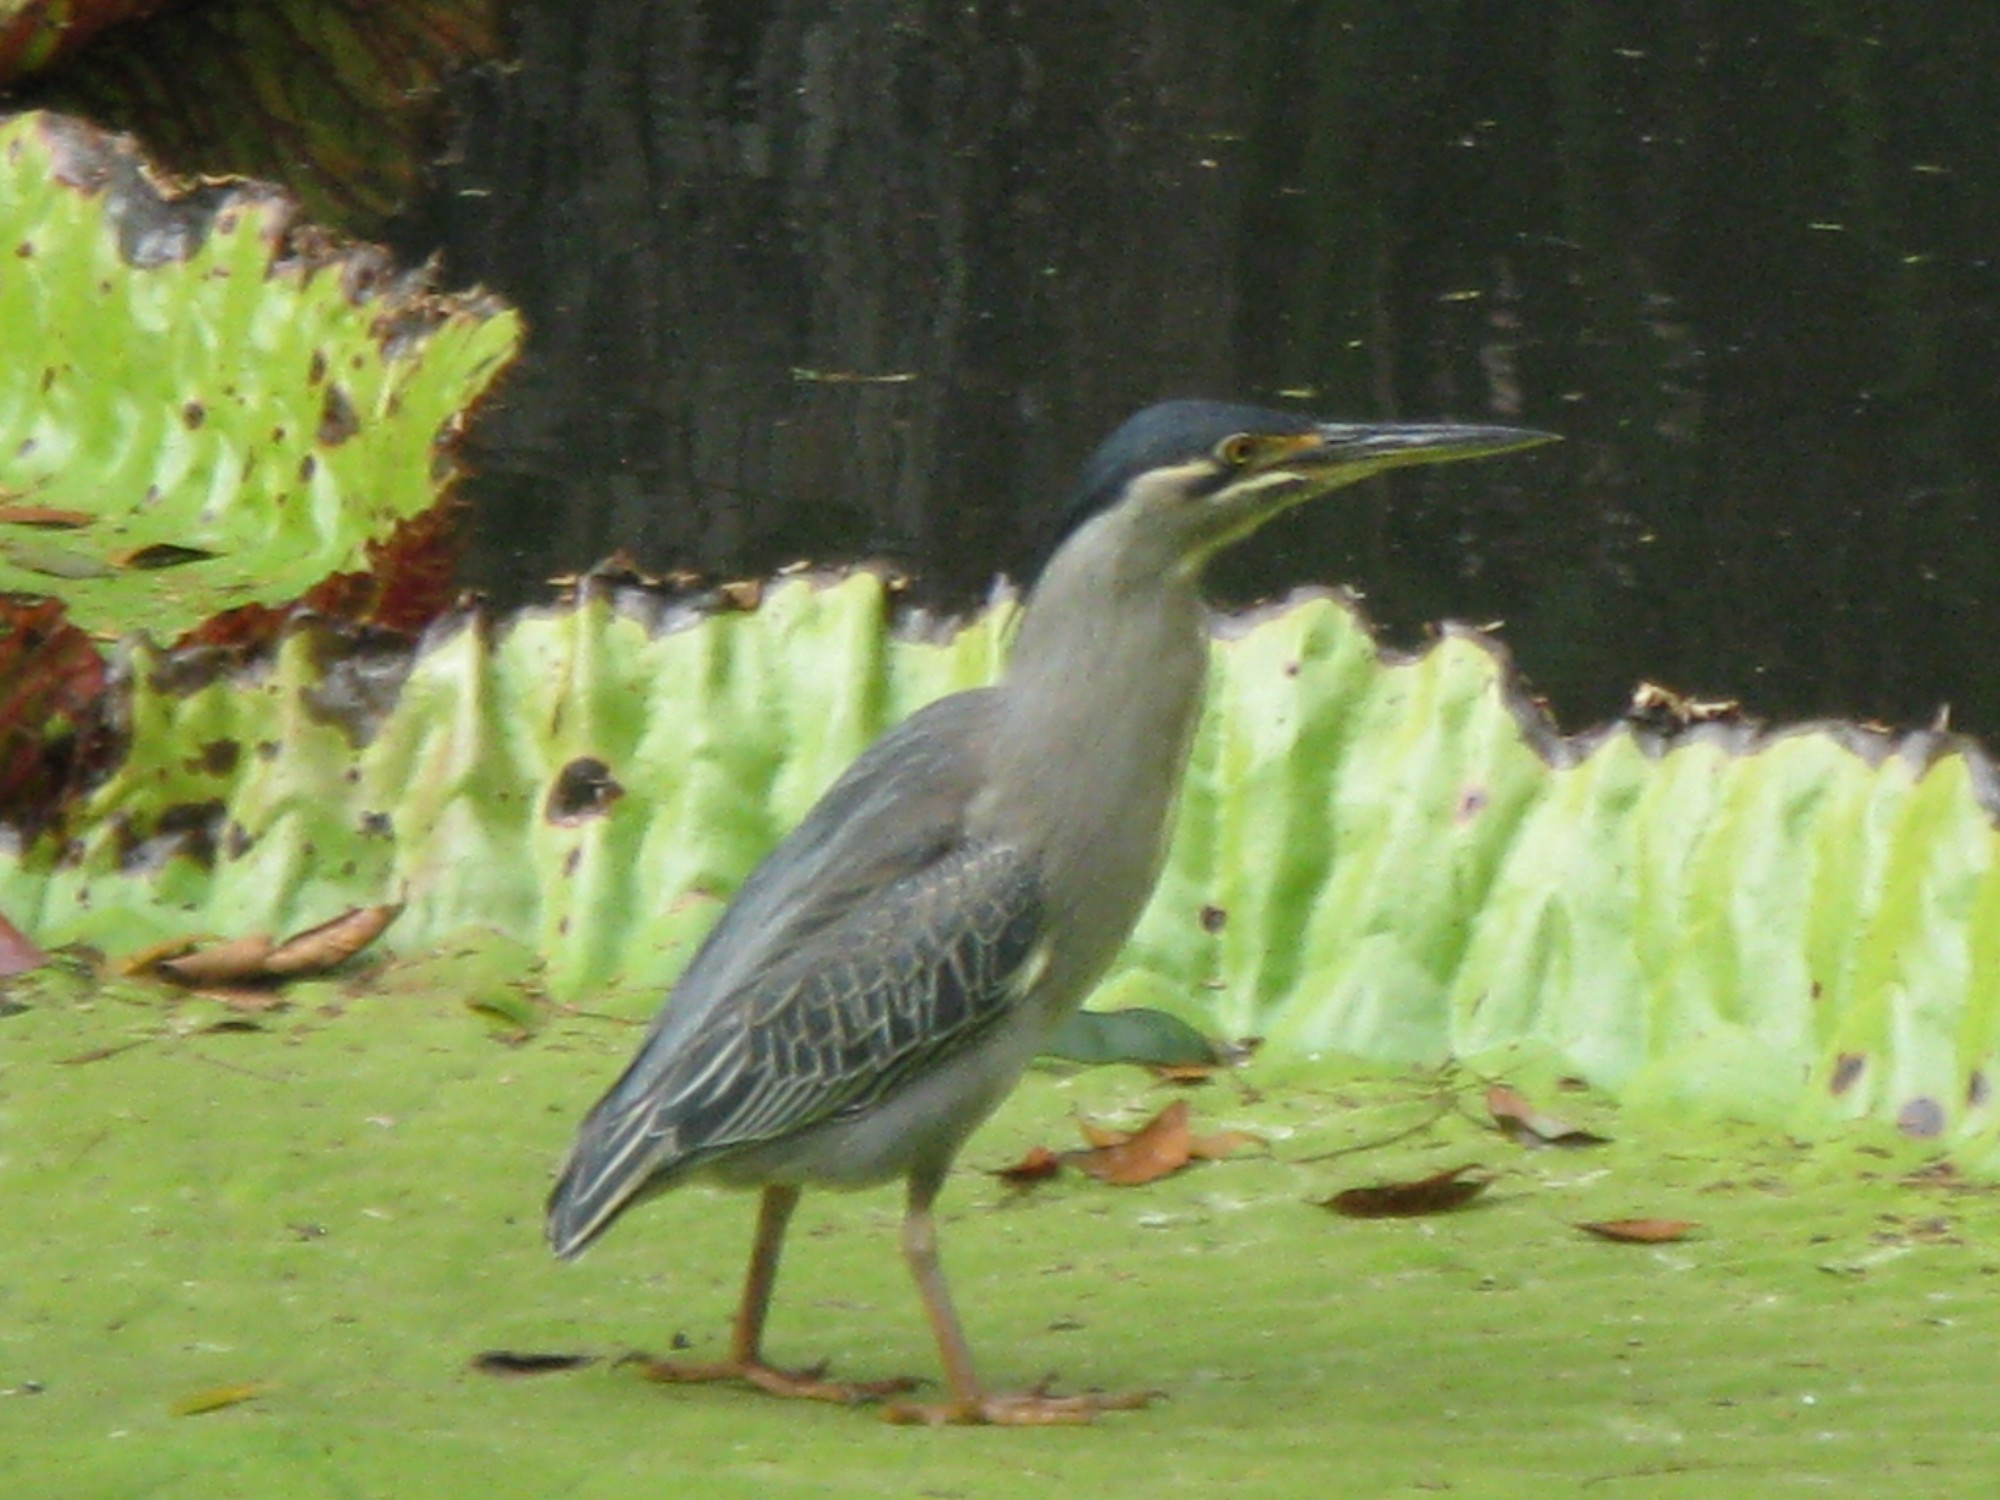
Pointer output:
x,y
234,403
335,1215
1378,858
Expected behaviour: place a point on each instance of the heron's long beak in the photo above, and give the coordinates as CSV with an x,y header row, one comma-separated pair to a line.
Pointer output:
x,y
1297,467
1355,450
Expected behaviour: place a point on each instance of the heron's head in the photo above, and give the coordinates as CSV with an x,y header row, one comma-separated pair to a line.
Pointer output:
x,y
1184,479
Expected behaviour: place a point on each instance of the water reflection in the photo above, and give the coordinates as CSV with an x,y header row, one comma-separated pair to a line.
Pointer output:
x,y
825,280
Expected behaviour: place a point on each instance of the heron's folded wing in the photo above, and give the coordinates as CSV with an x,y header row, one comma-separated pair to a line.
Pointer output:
x,y
913,972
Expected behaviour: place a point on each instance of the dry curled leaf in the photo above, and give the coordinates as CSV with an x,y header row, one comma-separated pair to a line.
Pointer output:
x,y
1518,1118
511,1362
247,960
1641,1231
1038,1165
18,952
152,956
330,943
51,517
1222,1143
1101,1137
226,962
1438,1193
1159,1148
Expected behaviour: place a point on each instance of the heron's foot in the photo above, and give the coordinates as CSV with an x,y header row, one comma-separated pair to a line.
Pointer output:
x,y
809,1384
1036,1408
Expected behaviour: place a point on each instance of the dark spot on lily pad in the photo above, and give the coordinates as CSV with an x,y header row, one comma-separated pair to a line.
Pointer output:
x,y
188,829
194,414
218,757
585,788
1847,1069
1922,1119
337,421
1978,1090
1214,918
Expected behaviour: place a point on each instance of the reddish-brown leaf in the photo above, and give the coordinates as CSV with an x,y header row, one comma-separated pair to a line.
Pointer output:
x,y
44,515
18,952
330,943
228,962
55,734
1158,1149
1039,1165
1436,1194
1221,1143
1101,1137
153,955
1641,1231
1518,1118
247,960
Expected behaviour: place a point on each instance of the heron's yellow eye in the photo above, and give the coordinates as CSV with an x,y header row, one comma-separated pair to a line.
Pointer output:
x,y
1237,451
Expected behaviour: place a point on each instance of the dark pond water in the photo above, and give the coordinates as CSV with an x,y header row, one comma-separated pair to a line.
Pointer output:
x,y
842,280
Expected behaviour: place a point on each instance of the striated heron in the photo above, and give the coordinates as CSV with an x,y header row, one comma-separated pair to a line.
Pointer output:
x,y
883,977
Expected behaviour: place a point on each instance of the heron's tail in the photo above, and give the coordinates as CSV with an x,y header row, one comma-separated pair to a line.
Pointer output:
x,y
612,1165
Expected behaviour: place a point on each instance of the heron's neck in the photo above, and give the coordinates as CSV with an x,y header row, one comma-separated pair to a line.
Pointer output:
x,y
1139,641
1100,699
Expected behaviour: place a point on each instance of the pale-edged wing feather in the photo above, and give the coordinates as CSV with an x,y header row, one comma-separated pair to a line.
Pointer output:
x,y
875,941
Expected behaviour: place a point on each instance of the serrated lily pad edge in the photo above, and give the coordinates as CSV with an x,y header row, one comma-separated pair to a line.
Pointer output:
x,y
435,778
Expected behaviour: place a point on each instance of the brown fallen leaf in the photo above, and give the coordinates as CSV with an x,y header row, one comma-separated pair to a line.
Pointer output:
x,y
1641,1231
18,952
1438,1193
1159,1148
510,1362
44,515
1519,1119
216,1397
152,956
332,942
258,956
1101,1137
1223,1143
226,962
1039,1165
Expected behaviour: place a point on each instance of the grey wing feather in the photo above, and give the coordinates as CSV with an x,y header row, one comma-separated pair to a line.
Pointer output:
x,y
914,975
875,941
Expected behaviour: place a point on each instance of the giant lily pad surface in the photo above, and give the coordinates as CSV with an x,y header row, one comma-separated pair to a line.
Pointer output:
x,y
1385,858
261,1236
205,402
